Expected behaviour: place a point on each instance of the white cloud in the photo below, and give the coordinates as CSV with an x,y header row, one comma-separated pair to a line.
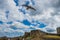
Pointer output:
x,y
44,12
19,25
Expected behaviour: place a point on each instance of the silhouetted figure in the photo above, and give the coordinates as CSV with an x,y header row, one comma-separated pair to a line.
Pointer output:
x,y
29,7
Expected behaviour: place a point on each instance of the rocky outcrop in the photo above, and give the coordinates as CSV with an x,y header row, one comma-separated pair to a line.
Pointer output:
x,y
16,38
3,38
20,38
35,35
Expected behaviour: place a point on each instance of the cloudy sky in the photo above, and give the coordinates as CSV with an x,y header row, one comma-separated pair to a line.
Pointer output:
x,y
16,19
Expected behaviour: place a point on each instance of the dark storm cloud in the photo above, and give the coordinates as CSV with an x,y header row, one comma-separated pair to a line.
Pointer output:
x,y
56,4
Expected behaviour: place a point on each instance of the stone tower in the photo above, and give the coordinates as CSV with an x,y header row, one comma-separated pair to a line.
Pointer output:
x,y
58,30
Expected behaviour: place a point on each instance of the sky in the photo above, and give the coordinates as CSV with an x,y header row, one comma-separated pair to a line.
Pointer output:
x,y
15,19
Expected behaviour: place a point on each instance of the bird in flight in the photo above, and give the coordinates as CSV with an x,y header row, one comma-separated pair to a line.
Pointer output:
x,y
29,7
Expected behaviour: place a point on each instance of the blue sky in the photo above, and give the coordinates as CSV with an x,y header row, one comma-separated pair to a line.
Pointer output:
x,y
15,19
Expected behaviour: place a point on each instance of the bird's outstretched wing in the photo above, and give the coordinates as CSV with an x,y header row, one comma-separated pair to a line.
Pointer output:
x,y
29,7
